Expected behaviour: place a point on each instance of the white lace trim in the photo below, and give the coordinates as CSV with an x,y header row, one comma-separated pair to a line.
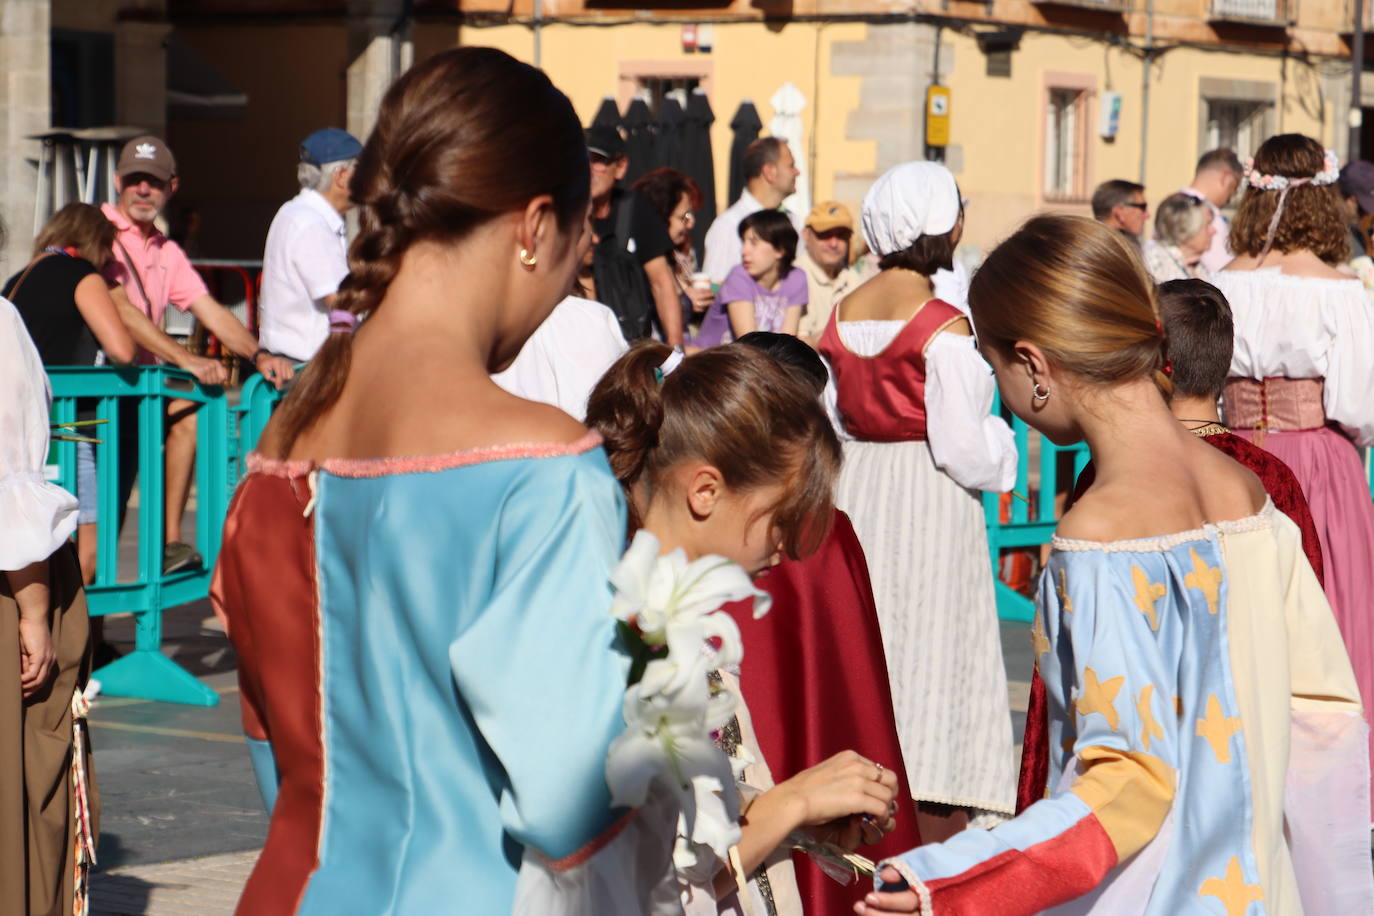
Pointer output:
x,y
1257,522
914,883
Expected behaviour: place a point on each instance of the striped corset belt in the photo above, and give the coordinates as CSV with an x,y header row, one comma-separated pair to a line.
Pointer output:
x,y
1274,403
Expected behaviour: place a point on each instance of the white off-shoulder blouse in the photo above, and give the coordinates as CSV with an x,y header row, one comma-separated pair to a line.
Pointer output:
x,y
1306,327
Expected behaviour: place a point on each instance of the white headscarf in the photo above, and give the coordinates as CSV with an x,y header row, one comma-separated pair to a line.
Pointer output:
x,y
911,200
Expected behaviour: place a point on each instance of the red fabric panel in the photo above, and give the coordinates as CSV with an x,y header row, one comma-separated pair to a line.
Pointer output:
x,y
882,399
815,680
271,610
1283,488
1020,882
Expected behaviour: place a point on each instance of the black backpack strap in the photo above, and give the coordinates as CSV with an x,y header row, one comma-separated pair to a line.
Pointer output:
x,y
622,221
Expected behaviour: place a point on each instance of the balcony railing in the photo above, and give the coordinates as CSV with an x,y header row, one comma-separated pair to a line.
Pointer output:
x,y
1106,6
1256,12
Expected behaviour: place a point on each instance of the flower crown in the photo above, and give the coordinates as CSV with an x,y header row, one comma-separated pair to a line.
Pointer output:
x,y
1327,175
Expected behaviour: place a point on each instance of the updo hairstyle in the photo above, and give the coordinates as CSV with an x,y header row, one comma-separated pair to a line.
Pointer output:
x,y
733,407
1072,287
461,138
1312,214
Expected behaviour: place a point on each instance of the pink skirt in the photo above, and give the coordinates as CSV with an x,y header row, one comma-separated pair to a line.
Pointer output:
x,y
1333,478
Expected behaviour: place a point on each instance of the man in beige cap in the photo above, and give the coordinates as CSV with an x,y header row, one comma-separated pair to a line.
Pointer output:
x,y
826,236
154,272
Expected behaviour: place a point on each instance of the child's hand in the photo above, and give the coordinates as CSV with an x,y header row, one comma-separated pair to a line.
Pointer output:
x,y
879,903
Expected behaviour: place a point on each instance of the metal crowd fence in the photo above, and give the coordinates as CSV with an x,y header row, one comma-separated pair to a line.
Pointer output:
x,y
131,405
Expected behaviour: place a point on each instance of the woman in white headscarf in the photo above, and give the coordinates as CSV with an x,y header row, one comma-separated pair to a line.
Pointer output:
x,y
911,396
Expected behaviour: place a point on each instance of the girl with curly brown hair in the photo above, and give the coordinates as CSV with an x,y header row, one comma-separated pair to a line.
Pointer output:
x,y
1302,371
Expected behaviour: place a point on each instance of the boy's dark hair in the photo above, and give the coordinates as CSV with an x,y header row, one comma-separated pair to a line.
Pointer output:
x,y
776,229
795,356
1199,336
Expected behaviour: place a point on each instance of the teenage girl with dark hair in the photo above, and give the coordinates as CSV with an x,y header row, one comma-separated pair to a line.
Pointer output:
x,y
764,292
416,569
727,453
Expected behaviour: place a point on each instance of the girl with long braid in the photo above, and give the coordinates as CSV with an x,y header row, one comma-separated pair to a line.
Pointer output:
x,y
416,569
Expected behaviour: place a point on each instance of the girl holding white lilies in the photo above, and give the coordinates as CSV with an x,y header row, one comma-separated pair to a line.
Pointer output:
x,y
726,453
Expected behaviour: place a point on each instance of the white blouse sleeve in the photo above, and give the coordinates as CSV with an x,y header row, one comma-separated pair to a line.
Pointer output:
x,y
35,516
830,400
1349,383
976,449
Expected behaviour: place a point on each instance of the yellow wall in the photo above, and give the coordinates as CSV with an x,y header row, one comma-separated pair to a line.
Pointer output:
x,y
748,61
999,122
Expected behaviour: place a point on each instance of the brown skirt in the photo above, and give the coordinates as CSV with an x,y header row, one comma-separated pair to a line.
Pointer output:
x,y
37,805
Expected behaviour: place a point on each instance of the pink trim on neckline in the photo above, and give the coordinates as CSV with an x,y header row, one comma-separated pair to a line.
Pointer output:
x,y
382,467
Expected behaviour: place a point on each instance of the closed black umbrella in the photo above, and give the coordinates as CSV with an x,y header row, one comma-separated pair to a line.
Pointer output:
x,y
639,139
746,125
668,134
698,161
607,115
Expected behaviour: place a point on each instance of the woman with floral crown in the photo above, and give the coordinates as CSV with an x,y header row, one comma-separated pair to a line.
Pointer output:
x,y
1207,744
1302,371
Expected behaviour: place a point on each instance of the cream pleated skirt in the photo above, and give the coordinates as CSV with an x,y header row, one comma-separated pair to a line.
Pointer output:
x,y
924,538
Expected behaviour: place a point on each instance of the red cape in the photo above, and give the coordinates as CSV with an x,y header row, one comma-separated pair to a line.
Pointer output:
x,y
815,680
1283,488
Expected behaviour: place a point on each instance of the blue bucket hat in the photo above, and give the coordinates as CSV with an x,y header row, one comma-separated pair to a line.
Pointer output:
x,y
329,145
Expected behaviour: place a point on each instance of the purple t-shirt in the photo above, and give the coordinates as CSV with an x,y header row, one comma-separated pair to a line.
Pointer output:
x,y
770,306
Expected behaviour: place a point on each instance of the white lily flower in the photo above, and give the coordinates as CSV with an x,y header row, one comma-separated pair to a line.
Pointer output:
x,y
668,731
662,593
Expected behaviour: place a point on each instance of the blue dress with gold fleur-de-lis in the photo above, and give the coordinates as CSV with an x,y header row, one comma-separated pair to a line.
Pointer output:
x,y
1206,741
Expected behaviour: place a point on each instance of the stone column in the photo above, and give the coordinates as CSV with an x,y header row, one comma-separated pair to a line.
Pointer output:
x,y
24,109
896,62
378,52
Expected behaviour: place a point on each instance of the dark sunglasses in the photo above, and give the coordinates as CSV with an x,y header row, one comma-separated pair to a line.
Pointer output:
x,y
1138,206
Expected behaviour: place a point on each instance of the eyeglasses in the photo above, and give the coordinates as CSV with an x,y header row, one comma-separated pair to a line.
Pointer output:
x,y
1139,205
689,218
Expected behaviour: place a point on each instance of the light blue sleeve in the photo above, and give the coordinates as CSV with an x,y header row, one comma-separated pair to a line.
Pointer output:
x,y
264,771
540,668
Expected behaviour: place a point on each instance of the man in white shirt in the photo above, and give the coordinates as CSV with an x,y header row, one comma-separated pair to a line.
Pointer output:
x,y
770,174
307,248
1218,176
566,356
826,239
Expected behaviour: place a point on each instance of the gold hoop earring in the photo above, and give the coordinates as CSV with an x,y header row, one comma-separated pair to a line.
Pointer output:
x,y
528,258
1036,393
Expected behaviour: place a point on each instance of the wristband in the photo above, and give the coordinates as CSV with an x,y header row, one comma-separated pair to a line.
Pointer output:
x,y
259,352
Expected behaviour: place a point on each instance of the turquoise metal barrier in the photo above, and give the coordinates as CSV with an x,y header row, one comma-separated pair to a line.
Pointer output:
x,y
1032,514
146,672
257,400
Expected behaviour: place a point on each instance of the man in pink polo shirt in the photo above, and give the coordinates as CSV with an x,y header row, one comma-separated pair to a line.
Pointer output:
x,y
154,272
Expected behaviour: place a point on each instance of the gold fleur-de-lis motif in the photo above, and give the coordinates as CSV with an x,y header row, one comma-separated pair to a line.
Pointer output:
x,y
1039,641
1149,728
1099,697
1206,579
1217,728
1063,589
1146,594
1232,890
